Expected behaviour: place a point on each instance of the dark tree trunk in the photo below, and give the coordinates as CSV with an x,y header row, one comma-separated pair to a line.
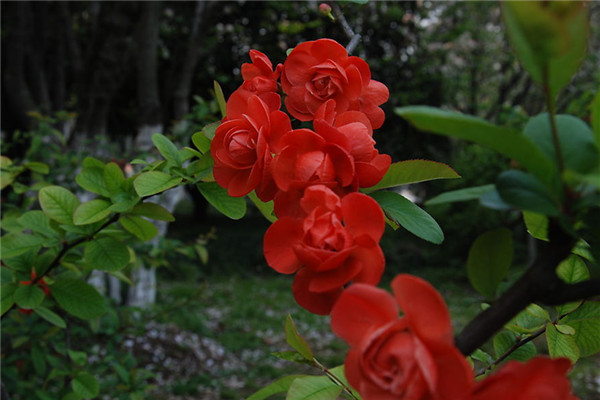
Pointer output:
x,y
147,65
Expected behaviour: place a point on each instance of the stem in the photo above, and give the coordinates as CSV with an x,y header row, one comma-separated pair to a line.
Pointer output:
x,y
511,350
354,37
552,114
334,378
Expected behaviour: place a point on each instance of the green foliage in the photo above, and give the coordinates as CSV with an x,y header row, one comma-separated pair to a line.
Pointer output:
x,y
153,182
78,298
561,344
313,388
489,260
295,340
403,212
525,192
507,341
106,254
413,171
233,207
58,203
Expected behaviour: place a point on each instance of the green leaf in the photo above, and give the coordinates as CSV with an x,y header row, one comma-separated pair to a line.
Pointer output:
x,y
586,322
537,225
139,227
92,180
561,345
7,299
565,329
294,339
265,209
28,296
153,182
232,207
410,216
573,270
201,142
575,136
482,356
167,149
292,356
506,141
78,298
313,388
78,357
38,222
472,193
505,340
85,385
58,203
530,320
50,316
5,162
91,211
113,177
279,386
38,360
550,39
413,171
106,254
220,99
153,211
209,130
15,244
38,167
490,258
525,192
595,119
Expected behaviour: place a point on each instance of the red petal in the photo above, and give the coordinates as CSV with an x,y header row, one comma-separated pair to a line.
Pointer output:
x,y
278,245
360,310
316,303
424,308
363,216
335,278
455,375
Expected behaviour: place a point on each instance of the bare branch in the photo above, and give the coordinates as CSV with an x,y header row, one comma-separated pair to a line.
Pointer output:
x,y
354,37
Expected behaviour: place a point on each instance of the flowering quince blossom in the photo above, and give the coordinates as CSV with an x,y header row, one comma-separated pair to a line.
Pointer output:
x,y
319,70
242,149
412,357
541,378
337,241
259,79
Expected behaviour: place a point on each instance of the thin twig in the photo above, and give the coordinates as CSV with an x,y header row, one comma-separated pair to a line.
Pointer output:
x,y
354,37
334,378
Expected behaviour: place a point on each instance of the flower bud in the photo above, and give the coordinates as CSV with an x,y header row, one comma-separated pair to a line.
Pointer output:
x,y
325,9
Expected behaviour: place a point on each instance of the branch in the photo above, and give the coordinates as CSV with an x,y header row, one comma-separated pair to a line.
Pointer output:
x,y
539,283
354,37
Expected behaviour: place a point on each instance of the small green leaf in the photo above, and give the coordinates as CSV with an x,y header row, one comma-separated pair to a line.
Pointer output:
x,y
106,254
91,211
573,270
28,296
482,356
505,340
78,298
201,142
586,322
153,211
489,260
38,167
313,388
410,216
167,149
413,171
78,357
7,299
472,193
506,141
85,385
279,386
265,209
113,177
294,339
232,207
220,98
209,130
537,225
38,360
576,139
292,356
525,192
15,244
139,227
38,222
58,203
530,320
153,182
92,180
560,345
50,316
565,329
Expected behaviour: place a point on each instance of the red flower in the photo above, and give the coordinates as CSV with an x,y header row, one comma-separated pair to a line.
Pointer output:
x,y
242,149
320,70
336,242
41,284
541,378
412,357
260,80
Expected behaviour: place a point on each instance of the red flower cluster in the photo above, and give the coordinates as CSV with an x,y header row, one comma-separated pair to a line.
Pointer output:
x,y
312,175
414,357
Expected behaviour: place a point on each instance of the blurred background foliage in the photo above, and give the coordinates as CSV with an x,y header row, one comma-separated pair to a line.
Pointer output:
x,y
89,77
